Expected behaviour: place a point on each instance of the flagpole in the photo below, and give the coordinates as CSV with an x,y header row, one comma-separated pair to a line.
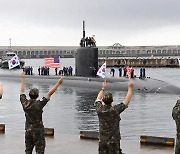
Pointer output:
x,y
105,73
106,67
59,62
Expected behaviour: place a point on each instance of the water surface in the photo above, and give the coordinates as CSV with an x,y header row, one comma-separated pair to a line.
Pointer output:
x,y
72,109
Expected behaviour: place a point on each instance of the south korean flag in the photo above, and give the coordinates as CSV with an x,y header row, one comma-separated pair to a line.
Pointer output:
x,y
102,71
13,62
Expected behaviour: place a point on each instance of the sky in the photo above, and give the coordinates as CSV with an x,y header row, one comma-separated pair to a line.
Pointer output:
x,y
59,22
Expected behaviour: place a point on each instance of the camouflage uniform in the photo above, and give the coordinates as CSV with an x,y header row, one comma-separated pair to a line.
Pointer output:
x,y
176,117
109,118
34,135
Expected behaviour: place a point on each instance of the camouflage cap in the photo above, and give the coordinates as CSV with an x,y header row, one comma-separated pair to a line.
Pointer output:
x,y
108,98
34,92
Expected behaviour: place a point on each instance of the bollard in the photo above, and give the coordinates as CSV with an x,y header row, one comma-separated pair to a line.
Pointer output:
x,y
49,131
89,135
2,128
157,140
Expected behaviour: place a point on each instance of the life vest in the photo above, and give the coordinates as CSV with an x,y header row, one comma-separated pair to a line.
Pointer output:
x,y
92,39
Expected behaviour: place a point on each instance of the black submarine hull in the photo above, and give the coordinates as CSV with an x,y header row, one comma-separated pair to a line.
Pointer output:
x,y
147,85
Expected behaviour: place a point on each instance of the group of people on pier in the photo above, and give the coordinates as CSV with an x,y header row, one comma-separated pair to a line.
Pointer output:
x,y
142,73
126,71
66,71
43,70
28,70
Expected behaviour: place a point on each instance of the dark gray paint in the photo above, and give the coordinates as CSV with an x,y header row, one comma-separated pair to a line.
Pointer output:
x,y
147,85
86,58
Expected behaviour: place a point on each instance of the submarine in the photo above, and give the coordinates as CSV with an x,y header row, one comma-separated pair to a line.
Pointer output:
x,y
147,85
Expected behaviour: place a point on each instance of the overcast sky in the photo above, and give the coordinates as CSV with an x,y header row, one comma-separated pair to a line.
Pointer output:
x,y
59,22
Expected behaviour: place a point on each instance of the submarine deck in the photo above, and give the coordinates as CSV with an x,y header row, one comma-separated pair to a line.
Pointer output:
x,y
147,85
13,143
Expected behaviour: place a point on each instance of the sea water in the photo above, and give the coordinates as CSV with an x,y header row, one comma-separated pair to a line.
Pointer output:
x,y
71,109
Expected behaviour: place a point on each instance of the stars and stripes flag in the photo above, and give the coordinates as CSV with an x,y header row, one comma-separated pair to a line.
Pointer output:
x,y
13,62
52,62
102,71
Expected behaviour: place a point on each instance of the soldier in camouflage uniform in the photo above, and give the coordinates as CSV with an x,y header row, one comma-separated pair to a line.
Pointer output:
x,y
33,108
176,117
109,118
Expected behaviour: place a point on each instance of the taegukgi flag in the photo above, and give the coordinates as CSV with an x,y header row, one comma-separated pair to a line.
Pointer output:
x,y
13,62
102,71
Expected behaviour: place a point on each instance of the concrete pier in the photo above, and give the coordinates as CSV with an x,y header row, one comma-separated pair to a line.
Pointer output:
x,y
141,62
13,143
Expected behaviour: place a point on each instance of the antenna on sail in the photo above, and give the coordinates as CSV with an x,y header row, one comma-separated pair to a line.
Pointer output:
x,y
84,29
10,47
10,43
82,42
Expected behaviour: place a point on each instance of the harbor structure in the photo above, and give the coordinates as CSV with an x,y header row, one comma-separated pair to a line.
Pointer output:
x,y
115,50
117,54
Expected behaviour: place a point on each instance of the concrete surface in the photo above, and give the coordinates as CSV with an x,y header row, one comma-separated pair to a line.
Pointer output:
x,y
13,143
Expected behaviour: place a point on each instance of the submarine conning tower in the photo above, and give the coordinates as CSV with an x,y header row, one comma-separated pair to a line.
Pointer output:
x,y
86,59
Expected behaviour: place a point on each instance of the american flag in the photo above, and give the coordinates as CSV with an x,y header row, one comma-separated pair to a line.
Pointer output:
x,y
52,62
